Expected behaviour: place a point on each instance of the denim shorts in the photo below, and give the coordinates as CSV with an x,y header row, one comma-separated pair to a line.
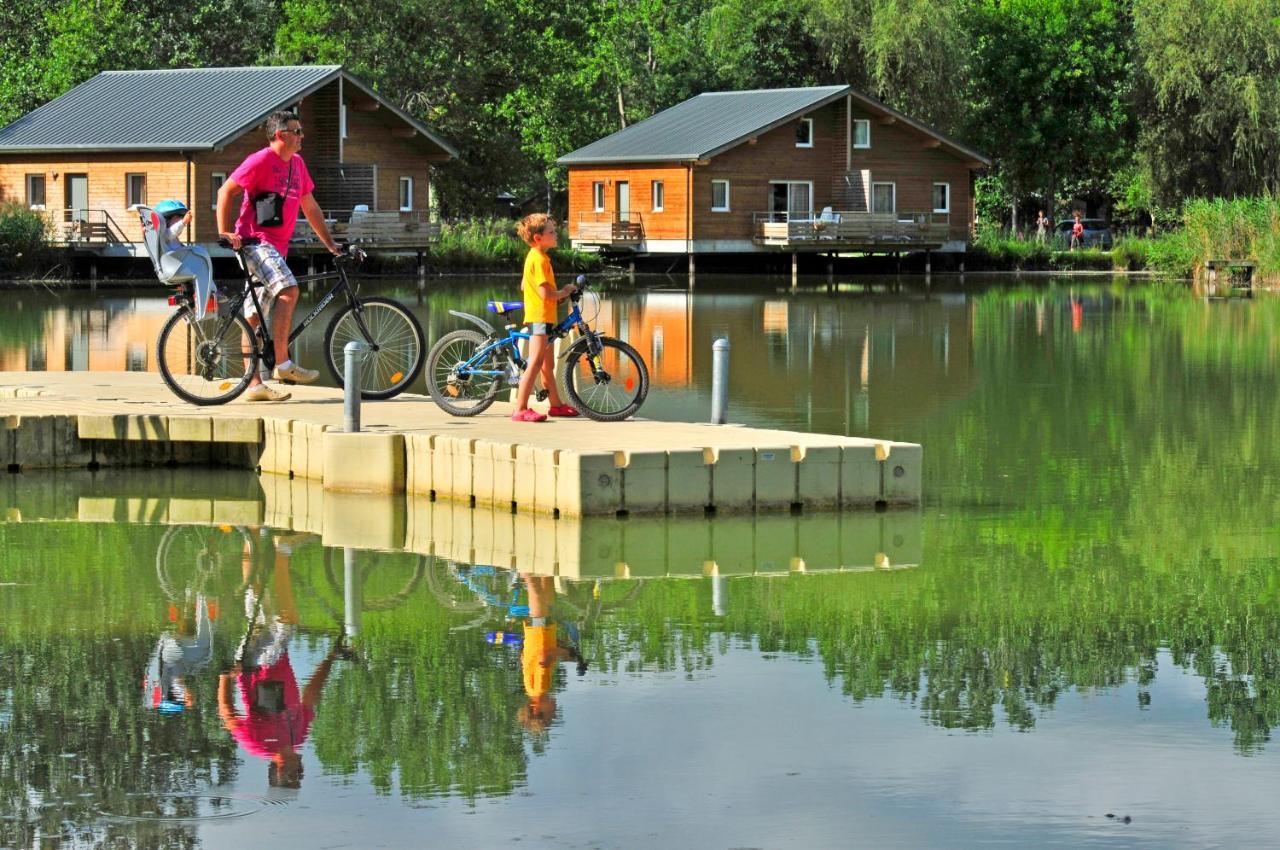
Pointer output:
x,y
539,328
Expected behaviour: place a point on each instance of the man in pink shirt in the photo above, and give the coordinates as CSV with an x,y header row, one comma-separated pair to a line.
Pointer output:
x,y
276,179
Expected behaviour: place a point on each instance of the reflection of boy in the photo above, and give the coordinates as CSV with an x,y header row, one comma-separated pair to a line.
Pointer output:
x,y
540,654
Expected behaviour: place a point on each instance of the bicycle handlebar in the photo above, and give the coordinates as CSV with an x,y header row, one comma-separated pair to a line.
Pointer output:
x,y
581,282
245,241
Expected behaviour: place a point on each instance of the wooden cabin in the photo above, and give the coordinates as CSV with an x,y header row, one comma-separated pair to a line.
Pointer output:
x,y
138,137
808,169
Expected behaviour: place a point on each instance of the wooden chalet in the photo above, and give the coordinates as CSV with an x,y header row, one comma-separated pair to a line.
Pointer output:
x,y
137,137
824,169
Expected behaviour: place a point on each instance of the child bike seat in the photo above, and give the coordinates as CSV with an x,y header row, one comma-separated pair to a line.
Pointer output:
x,y
504,307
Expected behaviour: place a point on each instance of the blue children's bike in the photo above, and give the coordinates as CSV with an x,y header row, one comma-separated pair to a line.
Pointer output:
x,y
604,378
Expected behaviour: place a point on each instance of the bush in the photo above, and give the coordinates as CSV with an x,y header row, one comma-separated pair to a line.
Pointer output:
x,y
487,244
1131,253
24,241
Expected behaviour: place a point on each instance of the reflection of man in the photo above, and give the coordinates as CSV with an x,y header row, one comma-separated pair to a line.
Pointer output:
x,y
540,654
277,716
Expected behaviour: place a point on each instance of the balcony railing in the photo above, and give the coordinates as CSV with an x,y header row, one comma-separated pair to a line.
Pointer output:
x,y
780,228
607,228
374,227
72,226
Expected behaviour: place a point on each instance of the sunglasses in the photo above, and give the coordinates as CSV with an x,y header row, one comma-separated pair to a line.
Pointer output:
x,y
297,131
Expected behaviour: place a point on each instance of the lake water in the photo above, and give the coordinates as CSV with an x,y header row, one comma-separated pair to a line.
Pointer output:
x,y
1076,640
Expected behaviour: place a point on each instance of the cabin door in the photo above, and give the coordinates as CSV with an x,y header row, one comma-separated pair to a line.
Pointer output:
x,y
77,197
624,201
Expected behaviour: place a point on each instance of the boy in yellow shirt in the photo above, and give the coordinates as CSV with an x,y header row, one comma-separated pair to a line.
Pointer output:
x,y
540,299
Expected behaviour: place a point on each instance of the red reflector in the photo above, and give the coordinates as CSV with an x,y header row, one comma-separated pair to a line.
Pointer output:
x,y
173,301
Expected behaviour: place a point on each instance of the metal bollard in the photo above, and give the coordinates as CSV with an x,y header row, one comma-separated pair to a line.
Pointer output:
x,y
350,593
351,385
720,381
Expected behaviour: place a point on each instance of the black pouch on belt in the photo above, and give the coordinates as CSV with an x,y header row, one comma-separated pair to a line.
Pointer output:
x,y
268,207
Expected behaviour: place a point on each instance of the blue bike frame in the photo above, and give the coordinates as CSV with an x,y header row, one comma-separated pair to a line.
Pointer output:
x,y
512,340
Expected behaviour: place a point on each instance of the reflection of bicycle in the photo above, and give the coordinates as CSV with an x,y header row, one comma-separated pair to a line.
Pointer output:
x,y
605,378
212,359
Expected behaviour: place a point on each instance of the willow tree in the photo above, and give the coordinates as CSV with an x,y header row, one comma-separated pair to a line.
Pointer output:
x,y
1210,95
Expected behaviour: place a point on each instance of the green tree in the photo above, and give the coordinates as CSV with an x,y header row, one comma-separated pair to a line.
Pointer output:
x,y
1209,96
1050,87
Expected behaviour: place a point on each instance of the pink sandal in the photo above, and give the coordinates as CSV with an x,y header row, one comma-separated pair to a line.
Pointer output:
x,y
527,415
563,410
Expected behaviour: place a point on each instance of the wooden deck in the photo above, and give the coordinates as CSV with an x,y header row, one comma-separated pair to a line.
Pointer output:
x,y
850,230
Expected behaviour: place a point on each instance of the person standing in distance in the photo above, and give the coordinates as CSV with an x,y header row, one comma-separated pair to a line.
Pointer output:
x,y
275,184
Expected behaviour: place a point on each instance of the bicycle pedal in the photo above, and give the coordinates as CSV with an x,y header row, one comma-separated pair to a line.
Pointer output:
x,y
541,395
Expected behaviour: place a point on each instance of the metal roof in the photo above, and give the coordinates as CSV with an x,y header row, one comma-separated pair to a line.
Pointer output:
x,y
711,123
173,109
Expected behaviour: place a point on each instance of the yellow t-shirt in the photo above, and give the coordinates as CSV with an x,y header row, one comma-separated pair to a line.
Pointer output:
x,y
537,659
537,271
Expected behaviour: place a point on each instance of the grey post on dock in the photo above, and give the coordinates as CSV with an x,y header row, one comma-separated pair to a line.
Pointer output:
x,y
351,385
720,381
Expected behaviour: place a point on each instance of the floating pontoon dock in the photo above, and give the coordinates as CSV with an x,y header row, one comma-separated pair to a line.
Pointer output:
x,y
574,467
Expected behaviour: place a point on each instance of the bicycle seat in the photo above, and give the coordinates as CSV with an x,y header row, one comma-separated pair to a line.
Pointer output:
x,y
504,307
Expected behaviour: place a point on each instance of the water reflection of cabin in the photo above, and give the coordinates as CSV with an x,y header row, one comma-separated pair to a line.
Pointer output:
x,y
137,137
823,169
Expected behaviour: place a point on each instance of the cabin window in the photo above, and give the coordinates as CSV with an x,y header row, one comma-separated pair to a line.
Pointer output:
x,y
861,133
216,179
942,197
658,196
804,133
135,189
597,196
884,198
719,195
35,191
406,194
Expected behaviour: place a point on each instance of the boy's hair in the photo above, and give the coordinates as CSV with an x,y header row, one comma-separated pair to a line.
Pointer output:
x,y
279,120
533,225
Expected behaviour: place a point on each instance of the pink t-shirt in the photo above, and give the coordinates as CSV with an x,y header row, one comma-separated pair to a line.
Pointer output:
x,y
263,733
265,171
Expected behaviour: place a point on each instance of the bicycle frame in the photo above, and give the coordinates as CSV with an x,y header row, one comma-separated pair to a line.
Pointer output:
x,y
267,348
512,342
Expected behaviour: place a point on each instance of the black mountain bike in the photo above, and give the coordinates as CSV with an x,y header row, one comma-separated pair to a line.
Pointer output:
x,y
211,360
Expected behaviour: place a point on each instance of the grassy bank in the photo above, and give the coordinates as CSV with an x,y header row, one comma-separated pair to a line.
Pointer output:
x,y
1242,228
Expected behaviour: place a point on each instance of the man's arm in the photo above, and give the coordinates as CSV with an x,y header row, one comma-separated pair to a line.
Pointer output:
x,y
227,194
315,216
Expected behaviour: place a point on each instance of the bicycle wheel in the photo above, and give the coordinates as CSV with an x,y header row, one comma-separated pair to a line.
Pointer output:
x,y
209,360
612,388
397,343
190,557
462,393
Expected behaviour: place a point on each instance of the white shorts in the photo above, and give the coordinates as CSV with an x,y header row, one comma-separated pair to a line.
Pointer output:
x,y
539,328
266,264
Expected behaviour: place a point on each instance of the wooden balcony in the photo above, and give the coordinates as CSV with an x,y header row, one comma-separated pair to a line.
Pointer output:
x,y
850,229
380,229
88,228
607,229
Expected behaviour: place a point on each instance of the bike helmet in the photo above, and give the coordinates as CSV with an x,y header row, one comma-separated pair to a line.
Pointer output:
x,y
169,207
